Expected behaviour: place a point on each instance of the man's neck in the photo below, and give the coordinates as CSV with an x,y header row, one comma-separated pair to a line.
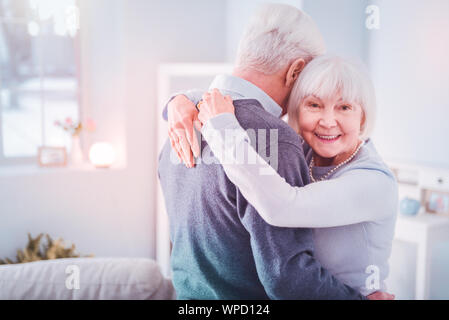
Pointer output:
x,y
270,84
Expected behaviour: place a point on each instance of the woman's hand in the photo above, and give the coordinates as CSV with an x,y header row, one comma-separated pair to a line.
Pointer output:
x,y
182,117
380,295
214,103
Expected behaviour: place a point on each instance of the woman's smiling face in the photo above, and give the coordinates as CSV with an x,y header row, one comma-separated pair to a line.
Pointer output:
x,y
331,126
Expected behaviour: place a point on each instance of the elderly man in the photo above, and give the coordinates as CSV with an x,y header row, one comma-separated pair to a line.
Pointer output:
x,y
222,248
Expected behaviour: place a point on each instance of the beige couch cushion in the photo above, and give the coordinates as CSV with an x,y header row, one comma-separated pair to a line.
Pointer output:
x,y
99,279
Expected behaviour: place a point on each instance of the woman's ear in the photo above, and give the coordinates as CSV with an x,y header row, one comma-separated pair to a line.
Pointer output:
x,y
293,72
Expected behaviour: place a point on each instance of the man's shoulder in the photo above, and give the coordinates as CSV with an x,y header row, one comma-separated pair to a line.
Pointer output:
x,y
251,115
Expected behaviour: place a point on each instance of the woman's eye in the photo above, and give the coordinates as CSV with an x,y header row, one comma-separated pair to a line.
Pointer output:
x,y
314,105
345,107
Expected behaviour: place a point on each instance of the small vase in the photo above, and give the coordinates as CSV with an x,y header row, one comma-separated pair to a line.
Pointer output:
x,y
76,153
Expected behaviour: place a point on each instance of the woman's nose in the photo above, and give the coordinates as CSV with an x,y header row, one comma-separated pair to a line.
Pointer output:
x,y
328,119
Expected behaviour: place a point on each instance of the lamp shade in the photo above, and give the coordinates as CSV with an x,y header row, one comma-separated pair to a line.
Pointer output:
x,y
102,155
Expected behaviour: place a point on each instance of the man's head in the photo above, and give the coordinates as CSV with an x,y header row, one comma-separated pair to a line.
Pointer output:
x,y
276,45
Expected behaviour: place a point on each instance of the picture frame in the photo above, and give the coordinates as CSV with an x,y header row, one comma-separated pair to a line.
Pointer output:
x,y
52,157
436,202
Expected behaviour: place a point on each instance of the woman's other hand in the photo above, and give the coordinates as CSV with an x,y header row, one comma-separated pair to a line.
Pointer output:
x,y
182,117
214,103
381,295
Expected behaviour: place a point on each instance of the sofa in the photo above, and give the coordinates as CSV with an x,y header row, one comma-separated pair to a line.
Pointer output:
x,y
85,279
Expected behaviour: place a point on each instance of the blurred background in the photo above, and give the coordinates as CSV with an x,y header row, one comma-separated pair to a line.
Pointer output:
x,y
109,65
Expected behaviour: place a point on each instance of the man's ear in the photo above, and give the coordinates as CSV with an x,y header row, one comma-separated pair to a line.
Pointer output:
x,y
293,72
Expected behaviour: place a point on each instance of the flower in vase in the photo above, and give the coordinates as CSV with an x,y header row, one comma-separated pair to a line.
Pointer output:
x,y
74,128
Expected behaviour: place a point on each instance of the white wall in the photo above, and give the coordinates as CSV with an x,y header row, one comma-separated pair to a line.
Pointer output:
x,y
409,64
342,24
410,67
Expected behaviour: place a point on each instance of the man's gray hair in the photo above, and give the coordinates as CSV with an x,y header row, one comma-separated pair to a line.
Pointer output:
x,y
276,35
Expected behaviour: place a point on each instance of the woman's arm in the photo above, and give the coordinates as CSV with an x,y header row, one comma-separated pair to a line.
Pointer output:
x,y
357,196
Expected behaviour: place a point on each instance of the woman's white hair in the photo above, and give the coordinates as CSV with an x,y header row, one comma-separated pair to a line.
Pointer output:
x,y
327,75
278,34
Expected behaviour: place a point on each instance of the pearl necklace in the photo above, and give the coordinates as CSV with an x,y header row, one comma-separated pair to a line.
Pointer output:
x,y
327,175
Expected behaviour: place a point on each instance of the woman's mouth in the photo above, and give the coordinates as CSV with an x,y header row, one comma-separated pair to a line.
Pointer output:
x,y
328,138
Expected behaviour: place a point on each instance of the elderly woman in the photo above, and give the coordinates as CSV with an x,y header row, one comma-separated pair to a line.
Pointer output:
x,y
352,200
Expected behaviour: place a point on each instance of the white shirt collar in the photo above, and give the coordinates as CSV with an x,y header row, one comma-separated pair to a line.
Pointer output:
x,y
238,87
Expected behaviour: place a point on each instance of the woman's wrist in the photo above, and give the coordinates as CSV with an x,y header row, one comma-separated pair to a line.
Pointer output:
x,y
222,121
181,101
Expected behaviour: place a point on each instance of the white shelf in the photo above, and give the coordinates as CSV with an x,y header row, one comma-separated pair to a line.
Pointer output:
x,y
424,230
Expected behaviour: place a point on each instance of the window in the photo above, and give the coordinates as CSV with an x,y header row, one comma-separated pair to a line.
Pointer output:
x,y
39,74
